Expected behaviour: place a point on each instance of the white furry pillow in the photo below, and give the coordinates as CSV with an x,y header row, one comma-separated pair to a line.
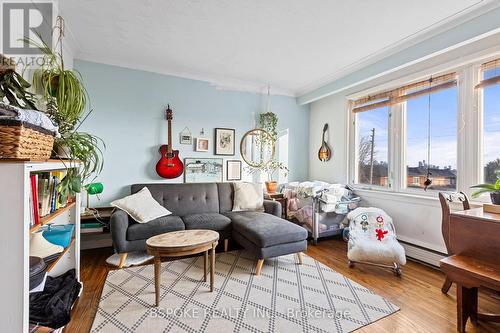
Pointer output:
x,y
141,206
248,197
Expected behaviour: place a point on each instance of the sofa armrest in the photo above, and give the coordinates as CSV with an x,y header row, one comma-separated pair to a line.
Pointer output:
x,y
272,207
118,226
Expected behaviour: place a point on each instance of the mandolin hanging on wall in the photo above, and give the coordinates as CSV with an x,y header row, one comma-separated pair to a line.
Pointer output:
x,y
324,153
169,166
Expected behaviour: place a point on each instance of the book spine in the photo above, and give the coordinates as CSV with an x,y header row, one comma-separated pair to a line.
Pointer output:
x,y
34,195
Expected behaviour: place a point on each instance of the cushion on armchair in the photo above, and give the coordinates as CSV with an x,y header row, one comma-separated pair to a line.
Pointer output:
x,y
372,237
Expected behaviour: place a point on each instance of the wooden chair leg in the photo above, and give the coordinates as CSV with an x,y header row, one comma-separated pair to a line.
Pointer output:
x,y
123,258
300,256
465,306
446,286
258,268
226,244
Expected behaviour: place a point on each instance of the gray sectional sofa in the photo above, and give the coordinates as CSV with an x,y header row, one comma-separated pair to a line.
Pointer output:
x,y
209,206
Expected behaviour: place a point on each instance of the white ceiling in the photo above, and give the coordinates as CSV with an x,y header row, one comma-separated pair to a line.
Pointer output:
x,y
293,45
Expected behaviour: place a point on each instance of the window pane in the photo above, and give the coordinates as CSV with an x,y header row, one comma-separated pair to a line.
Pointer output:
x,y
491,128
443,158
372,142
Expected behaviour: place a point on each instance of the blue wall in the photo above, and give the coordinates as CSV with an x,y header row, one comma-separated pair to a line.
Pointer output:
x,y
129,116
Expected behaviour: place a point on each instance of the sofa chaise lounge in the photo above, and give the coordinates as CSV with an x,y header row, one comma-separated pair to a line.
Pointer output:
x,y
209,206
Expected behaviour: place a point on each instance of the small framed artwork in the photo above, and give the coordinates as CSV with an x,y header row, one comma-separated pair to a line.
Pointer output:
x,y
201,144
203,170
233,170
224,141
185,137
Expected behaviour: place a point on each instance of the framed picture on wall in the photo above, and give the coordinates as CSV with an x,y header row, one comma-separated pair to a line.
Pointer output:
x,y
224,141
203,170
201,144
233,170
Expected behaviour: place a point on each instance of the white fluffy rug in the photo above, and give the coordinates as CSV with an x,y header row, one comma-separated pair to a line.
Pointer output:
x,y
287,297
133,259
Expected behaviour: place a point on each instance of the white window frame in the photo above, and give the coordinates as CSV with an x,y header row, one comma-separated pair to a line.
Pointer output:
x,y
469,131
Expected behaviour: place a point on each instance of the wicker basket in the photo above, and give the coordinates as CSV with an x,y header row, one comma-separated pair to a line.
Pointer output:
x,y
19,140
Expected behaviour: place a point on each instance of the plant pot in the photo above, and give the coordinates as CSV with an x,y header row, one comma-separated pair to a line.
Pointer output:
x,y
63,151
495,198
271,186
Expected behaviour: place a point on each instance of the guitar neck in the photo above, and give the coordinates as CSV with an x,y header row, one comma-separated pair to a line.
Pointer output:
x,y
169,150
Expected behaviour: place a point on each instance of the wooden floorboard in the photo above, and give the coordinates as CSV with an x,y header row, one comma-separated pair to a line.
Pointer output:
x,y
418,292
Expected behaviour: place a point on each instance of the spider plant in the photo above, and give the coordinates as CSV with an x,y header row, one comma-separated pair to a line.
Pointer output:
x,y
66,99
13,87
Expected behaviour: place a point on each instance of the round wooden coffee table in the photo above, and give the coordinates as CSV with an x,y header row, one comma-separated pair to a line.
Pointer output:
x,y
183,243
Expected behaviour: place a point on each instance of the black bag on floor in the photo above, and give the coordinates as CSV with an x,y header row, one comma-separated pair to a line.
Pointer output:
x,y
52,306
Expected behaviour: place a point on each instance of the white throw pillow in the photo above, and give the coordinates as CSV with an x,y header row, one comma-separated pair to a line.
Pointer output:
x,y
248,197
141,206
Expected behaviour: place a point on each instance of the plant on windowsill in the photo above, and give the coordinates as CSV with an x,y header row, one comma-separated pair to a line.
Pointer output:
x,y
65,100
492,189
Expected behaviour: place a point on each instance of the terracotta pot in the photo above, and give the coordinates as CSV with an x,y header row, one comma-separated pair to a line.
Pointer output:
x,y
495,198
271,186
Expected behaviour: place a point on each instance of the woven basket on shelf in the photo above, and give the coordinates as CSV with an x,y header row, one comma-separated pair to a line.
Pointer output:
x,y
19,140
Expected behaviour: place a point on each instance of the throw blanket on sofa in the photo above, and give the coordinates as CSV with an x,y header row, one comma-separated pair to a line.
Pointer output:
x,y
32,117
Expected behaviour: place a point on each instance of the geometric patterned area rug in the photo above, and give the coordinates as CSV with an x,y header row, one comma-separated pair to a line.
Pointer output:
x,y
286,297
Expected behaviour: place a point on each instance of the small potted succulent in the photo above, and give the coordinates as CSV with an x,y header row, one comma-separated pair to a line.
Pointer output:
x,y
492,189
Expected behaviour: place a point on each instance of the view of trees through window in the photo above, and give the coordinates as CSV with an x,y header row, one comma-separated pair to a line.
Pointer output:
x,y
442,165
372,132
491,127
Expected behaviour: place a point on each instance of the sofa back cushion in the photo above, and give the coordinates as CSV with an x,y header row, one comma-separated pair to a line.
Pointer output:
x,y
226,197
184,199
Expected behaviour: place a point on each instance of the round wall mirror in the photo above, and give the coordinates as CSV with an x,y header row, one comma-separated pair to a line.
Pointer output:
x,y
257,147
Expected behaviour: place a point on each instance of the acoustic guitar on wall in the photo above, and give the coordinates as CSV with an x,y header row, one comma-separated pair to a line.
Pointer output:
x,y
324,153
170,165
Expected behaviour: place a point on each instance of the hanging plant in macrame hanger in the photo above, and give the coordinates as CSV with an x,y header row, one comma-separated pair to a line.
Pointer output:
x,y
428,179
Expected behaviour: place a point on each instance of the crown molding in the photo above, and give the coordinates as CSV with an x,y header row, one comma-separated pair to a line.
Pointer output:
x,y
479,8
220,83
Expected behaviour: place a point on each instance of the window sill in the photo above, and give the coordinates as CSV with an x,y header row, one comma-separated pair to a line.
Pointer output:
x,y
430,199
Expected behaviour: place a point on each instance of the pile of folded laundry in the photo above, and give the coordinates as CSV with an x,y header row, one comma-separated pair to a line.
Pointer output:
x,y
25,133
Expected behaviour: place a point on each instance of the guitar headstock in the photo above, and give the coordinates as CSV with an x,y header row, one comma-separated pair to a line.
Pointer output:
x,y
169,113
325,128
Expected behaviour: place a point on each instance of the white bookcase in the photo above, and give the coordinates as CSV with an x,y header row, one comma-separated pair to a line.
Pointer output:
x,y
15,192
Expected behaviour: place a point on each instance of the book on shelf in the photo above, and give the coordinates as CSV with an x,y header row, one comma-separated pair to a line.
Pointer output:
x,y
44,198
91,227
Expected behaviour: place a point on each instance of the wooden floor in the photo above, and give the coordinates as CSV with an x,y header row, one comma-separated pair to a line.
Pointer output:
x,y
418,293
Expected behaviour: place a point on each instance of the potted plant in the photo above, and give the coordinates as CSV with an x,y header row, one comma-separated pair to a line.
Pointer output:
x,y
271,169
492,189
65,100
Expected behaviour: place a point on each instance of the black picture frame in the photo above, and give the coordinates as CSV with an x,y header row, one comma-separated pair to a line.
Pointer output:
x,y
228,176
230,148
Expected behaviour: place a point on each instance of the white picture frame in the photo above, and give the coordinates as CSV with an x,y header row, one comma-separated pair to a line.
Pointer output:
x,y
202,144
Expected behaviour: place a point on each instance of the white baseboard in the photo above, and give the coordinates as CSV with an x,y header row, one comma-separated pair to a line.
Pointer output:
x,y
421,254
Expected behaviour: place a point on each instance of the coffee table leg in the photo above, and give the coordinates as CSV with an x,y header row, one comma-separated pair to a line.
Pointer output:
x,y
212,267
157,279
205,265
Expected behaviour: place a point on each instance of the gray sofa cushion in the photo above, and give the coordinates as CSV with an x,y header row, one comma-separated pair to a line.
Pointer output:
x,y
161,225
211,221
226,194
184,199
264,229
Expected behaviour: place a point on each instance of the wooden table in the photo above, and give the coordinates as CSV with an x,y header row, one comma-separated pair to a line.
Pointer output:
x,y
183,243
475,243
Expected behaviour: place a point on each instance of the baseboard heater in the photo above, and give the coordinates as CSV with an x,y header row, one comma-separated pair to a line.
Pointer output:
x,y
422,254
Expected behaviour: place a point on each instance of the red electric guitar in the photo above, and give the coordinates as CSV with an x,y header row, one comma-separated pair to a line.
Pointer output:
x,y
170,165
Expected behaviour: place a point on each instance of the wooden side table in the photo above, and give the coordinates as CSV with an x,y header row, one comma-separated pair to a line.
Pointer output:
x,y
91,239
183,243
278,197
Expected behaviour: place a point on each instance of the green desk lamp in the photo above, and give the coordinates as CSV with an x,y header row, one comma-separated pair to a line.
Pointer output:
x,y
92,189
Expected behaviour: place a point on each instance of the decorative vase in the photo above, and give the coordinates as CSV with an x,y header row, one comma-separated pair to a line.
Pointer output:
x,y
495,198
271,186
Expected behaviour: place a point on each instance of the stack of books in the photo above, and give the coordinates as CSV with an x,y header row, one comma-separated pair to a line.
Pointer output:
x,y
44,198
